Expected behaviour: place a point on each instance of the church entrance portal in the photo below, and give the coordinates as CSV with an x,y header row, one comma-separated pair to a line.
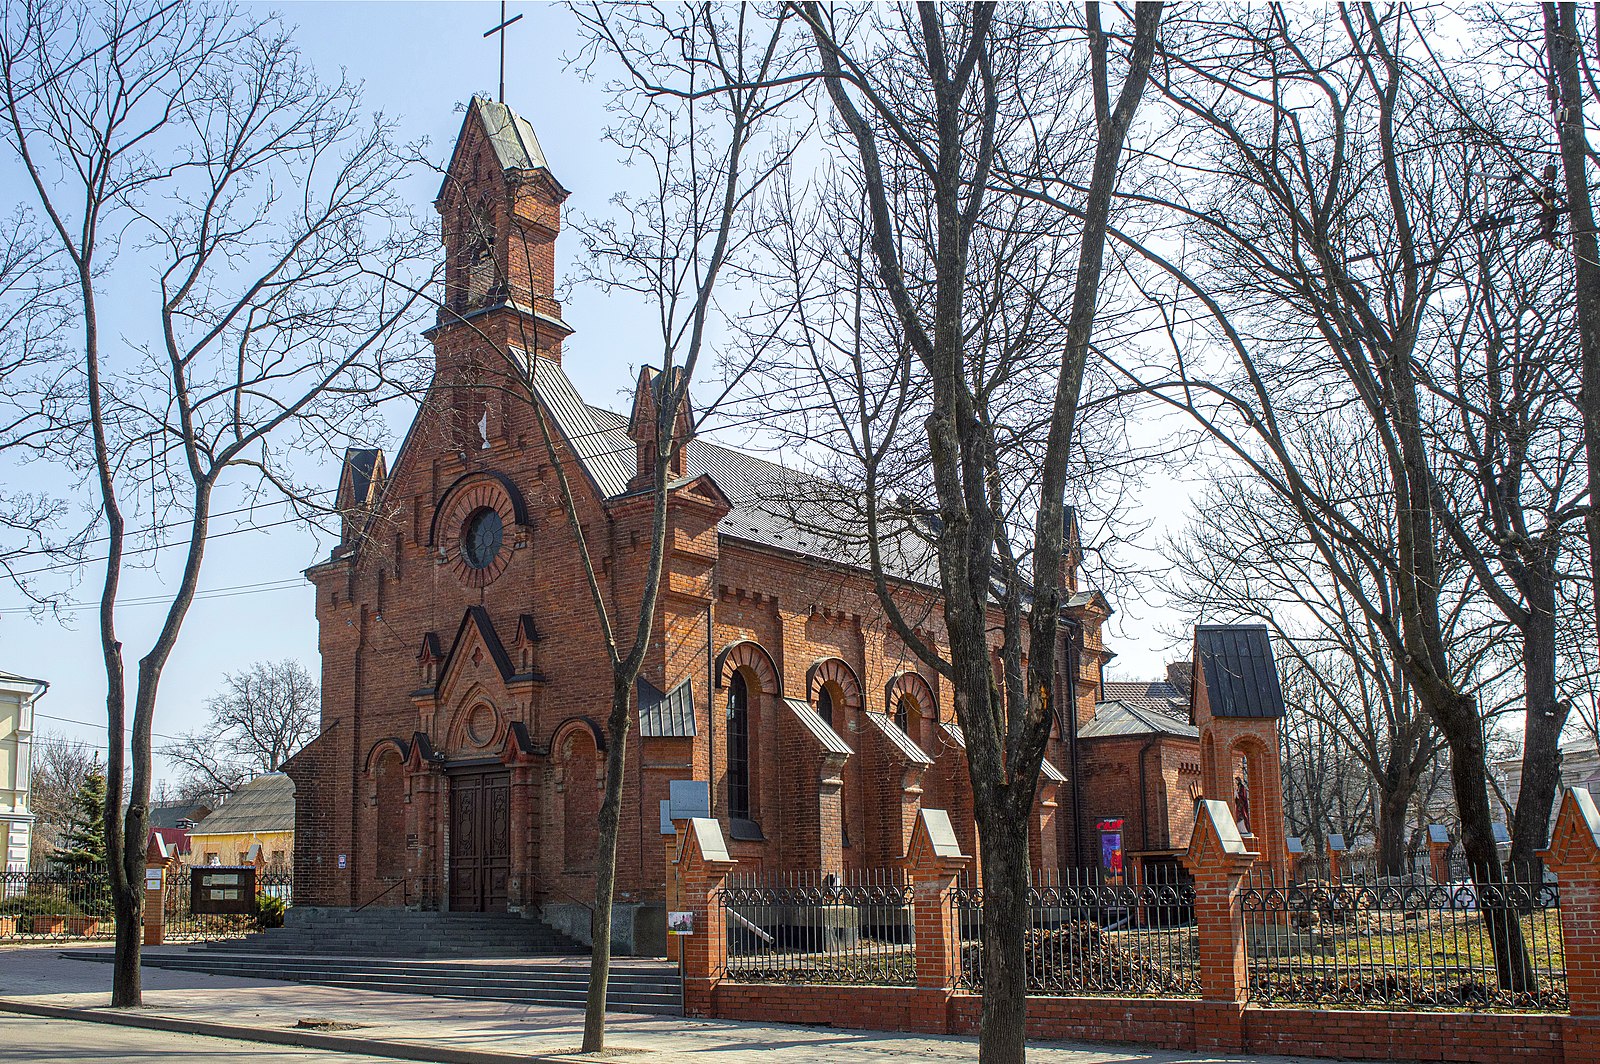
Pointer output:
x,y
480,839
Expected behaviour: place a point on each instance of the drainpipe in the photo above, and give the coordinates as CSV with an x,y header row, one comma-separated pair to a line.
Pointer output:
x,y
1074,656
1144,795
711,716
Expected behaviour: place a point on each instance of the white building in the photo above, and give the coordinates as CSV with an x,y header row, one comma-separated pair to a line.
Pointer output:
x,y
17,696
1580,767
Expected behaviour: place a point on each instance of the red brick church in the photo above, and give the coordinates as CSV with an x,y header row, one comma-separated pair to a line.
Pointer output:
x,y
460,762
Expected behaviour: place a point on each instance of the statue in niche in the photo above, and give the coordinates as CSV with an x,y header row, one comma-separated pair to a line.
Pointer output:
x,y
1241,804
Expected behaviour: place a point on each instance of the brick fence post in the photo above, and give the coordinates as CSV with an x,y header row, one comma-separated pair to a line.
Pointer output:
x,y
161,859
703,866
1336,851
1439,852
933,860
1218,860
1574,856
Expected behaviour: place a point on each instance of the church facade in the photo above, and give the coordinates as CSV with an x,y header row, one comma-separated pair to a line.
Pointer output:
x,y
460,762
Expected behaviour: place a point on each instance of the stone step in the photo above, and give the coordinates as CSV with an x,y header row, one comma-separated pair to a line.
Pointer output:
x,y
395,932
652,990
625,975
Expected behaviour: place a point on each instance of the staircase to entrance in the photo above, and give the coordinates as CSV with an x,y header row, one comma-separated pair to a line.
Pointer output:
x,y
498,956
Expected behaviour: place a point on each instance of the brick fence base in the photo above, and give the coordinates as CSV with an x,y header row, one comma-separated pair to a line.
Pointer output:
x,y
1185,1025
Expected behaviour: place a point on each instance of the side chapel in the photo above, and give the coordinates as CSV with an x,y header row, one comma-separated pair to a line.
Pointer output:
x,y
461,755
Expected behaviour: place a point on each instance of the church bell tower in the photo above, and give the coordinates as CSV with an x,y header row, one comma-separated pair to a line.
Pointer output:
x,y
500,209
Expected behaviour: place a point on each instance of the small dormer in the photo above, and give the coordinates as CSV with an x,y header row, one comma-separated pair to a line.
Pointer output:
x,y
361,484
642,426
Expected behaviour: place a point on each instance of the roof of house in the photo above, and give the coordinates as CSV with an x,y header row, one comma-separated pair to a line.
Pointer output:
x,y
266,803
666,715
897,737
1120,720
1235,661
168,814
177,839
1156,695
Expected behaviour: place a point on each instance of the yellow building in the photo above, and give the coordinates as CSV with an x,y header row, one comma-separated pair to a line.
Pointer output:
x,y
17,696
261,813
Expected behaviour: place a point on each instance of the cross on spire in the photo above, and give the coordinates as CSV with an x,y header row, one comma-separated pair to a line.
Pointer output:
x,y
501,30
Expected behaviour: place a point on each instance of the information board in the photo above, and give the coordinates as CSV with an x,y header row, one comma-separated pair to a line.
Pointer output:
x,y
222,890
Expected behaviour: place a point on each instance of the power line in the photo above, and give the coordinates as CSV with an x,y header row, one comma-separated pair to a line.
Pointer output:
x,y
156,600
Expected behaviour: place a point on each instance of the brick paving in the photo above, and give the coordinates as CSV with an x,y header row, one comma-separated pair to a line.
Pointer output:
x,y
43,976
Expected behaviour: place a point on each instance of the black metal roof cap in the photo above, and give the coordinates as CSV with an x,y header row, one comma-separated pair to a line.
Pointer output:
x,y
1240,675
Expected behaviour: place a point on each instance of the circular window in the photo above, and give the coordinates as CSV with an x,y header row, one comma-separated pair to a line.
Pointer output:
x,y
480,543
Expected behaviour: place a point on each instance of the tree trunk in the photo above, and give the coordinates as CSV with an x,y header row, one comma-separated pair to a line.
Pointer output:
x,y
605,879
1463,732
1543,721
1394,801
1003,842
1562,45
127,900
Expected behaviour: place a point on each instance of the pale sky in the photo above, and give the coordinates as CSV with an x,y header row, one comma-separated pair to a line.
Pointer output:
x,y
419,62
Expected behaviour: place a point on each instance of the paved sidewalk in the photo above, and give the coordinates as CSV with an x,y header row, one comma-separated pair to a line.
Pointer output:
x,y
428,1028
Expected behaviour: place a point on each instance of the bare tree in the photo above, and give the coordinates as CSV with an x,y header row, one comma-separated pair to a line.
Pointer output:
x,y
1244,555
932,103
1326,204
1512,485
261,718
60,767
248,216
1571,78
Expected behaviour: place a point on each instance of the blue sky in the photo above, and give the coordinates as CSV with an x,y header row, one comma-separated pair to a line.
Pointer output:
x,y
419,63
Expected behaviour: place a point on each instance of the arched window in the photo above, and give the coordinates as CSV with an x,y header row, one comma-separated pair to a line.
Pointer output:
x,y
825,704
738,748
904,709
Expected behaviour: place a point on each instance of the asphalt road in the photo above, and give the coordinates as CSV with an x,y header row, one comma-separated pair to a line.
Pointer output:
x,y
33,1038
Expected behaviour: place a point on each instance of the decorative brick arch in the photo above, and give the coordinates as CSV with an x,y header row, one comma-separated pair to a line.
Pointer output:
x,y
576,752
477,725
912,684
840,675
461,501
752,656
393,744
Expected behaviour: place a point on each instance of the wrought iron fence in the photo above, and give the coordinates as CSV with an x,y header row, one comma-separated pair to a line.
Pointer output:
x,y
55,902
1402,942
1086,934
183,924
820,929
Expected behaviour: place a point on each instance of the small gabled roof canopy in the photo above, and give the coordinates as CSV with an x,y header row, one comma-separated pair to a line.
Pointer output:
x,y
666,716
1235,663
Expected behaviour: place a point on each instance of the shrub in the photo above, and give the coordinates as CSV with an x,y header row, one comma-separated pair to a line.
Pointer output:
x,y
268,911
39,905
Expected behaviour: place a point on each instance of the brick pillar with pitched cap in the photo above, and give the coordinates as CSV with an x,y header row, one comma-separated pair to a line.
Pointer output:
x,y
933,860
703,865
1574,856
163,860
1219,862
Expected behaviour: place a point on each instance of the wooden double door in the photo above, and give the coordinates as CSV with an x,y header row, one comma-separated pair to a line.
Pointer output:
x,y
480,839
